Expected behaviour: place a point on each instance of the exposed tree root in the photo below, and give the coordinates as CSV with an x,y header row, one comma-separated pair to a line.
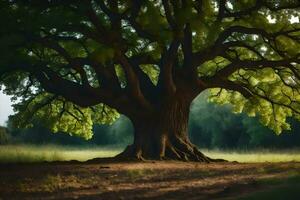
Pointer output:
x,y
175,149
131,152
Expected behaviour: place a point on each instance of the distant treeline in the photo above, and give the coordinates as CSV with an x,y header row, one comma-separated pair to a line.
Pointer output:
x,y
215,126
119,133
211,126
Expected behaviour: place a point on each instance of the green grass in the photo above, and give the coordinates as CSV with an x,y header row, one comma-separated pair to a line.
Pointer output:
x,y
32,153
256,156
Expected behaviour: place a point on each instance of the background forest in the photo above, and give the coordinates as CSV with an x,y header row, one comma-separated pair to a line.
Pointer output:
x,y
210,126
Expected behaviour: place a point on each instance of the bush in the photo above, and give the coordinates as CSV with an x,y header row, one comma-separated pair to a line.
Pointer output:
x,y
4,136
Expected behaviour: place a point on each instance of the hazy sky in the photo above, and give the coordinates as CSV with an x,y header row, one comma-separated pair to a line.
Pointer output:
x,y
5,108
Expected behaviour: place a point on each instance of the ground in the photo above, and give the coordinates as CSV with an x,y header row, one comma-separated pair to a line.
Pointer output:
x,y
150,180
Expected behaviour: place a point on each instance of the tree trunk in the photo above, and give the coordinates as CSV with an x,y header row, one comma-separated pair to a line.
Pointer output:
x,y
164,135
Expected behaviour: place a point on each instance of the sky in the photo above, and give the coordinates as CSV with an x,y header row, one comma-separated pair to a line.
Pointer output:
x,y
5,108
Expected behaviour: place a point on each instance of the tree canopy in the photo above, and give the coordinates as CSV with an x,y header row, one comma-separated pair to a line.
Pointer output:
x,y
73,63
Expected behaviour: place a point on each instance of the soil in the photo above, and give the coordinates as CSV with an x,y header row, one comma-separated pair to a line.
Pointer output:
x,y
140,180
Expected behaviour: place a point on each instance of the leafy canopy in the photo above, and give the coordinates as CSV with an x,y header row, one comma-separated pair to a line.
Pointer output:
x,y
74,63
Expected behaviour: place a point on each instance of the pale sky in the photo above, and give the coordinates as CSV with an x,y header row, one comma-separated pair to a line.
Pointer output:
x,y
5,108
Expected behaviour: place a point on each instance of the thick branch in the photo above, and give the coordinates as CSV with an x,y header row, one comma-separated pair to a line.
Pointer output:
x,y
133,81
79,94
239,64
168,13
166,65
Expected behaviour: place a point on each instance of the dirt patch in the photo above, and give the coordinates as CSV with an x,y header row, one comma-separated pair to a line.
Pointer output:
x,y
140,180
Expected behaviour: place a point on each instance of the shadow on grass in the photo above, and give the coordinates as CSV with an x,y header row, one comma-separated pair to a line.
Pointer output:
x,y
278,189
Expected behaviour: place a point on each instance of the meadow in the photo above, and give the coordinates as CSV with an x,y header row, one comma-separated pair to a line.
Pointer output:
x,y
40,153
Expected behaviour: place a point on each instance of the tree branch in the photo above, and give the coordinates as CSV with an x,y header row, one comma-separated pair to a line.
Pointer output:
x,y
133,81
166,66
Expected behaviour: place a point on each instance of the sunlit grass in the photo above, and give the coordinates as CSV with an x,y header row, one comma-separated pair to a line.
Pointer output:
x,y
32,153
255,156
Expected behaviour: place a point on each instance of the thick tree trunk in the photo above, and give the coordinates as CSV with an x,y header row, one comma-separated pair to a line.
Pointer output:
x,y
164,135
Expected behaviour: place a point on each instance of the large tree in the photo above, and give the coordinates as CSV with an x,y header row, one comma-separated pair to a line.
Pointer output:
x,y
72,63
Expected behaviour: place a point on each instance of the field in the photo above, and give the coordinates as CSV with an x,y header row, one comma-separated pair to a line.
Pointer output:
x,y
26,153
257,175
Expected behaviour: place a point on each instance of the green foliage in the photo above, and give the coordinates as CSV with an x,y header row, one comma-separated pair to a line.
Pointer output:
x,y
210,68
152,72
121,75
158,27
273,116
102,54
60,115
215,126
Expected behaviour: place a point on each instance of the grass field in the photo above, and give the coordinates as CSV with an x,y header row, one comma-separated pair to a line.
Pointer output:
x,y
254,156
26,153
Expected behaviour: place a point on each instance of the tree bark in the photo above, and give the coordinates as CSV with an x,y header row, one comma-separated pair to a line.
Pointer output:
x,y
164,135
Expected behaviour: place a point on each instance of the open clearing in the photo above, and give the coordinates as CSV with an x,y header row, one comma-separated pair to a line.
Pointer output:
x,y
150,180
